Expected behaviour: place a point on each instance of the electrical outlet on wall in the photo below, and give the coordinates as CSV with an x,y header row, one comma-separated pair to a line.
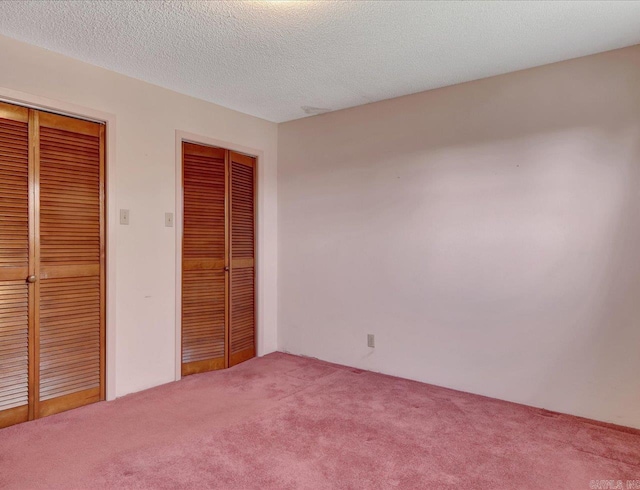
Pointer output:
x,y
371,340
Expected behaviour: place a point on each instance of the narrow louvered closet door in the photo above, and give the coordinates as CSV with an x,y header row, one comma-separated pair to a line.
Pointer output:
x,y
15,310
204,253
70,263
242,251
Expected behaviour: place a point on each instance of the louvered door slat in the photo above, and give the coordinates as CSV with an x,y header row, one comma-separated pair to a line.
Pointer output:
x,y
242,250
14,264
203,259
70,290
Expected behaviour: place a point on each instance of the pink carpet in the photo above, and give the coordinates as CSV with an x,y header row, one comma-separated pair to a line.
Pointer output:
x,y
288,422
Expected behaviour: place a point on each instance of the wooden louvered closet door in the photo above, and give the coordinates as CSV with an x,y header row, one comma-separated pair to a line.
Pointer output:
x,y
242,250
204,251
218,325
52,258
69,290
16,312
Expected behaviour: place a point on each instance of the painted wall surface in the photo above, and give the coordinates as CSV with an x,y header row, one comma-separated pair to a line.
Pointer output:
x,y
147,118
488,234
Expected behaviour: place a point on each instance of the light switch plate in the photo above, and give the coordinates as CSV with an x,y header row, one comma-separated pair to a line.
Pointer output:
x,y
371,340
168,220
124,216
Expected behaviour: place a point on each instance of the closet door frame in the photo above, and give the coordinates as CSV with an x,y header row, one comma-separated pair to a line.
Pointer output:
x,y
186,137
109,215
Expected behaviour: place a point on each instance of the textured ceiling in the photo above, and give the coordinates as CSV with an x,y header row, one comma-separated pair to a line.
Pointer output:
x,y
284,60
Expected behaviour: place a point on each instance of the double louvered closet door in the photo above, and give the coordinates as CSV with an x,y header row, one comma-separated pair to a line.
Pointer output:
x,y
218,247
51,263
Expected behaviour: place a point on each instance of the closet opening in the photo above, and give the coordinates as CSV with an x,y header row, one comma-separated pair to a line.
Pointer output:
x,y
218,258
52,263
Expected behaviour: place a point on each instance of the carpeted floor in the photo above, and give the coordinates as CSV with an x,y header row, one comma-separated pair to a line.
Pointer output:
x,y
288,422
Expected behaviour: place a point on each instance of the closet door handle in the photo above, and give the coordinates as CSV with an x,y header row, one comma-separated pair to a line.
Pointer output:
x,y
226,268
31,279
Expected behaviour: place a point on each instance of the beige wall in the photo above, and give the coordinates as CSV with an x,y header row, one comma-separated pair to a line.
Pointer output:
x,y
142,342
488,234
